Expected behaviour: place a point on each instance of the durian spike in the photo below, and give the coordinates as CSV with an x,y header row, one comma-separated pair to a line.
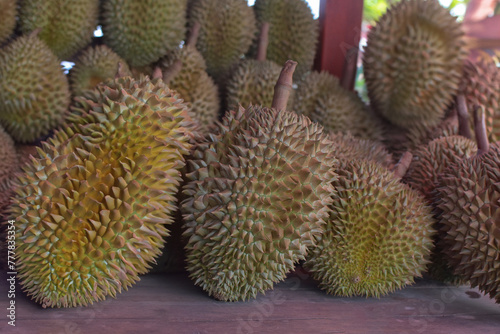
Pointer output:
x,y
157,73
263,42
120,72
350,67
403,164
483,145
463,117
170,73
193,36
283,87
35,32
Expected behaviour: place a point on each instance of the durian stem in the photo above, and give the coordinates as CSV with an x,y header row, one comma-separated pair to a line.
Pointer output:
x,y
263,42
283,87
463,117
350,67
483,144
170,73
193,36
157,73
403,164
120,72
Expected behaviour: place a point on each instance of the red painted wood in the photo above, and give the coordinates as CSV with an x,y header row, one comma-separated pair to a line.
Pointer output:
x,y
340,32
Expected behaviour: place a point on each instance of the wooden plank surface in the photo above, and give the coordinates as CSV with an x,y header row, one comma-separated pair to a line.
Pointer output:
x,y
170,303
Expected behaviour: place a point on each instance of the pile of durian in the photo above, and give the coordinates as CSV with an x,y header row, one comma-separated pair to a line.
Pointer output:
x,y
200,125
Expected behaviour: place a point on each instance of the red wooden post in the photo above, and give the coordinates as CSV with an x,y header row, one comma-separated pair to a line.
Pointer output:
x,y
340,32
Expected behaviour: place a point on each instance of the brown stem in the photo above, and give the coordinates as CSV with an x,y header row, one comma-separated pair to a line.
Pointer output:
x,y
403,164
483,144
283,87
350,67
172,71
263,42
193,36
120,72
157,73
463,117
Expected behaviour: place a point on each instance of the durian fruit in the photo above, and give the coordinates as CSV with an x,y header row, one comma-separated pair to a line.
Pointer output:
x,y
66,26
413,63
92,210
252,80
142,31
481,87
293,32
93,66
257,195
9,163
348,147
378,236
8,10
184,70
34,92
227,28
321,97
468,199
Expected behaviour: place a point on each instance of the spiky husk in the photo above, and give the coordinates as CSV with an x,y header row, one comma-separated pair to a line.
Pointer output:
x,y
8,11
93,66
348,147
468,197
142,31
293,32
378,237
34,92
8,160
481,88
320,97
91,211
413,62
252,82
194,85
257,197
226,33
67,26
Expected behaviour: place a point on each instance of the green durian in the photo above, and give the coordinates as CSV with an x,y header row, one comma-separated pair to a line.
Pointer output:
x,y
92,210
321,97
193,84
413,63
34,92
378,236
293,33
468,200
142,31
481,88
93,66
66,26
227,28
257,196
8,10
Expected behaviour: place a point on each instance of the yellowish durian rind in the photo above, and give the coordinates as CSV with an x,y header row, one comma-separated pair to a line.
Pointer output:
x,y
91,211
413,62
93,66
252,83
194,85
67,26
142,31
378,236
257,199
348,147
431,160
321,98
227,30
468,198
481,88
293,32
8,11
34,92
